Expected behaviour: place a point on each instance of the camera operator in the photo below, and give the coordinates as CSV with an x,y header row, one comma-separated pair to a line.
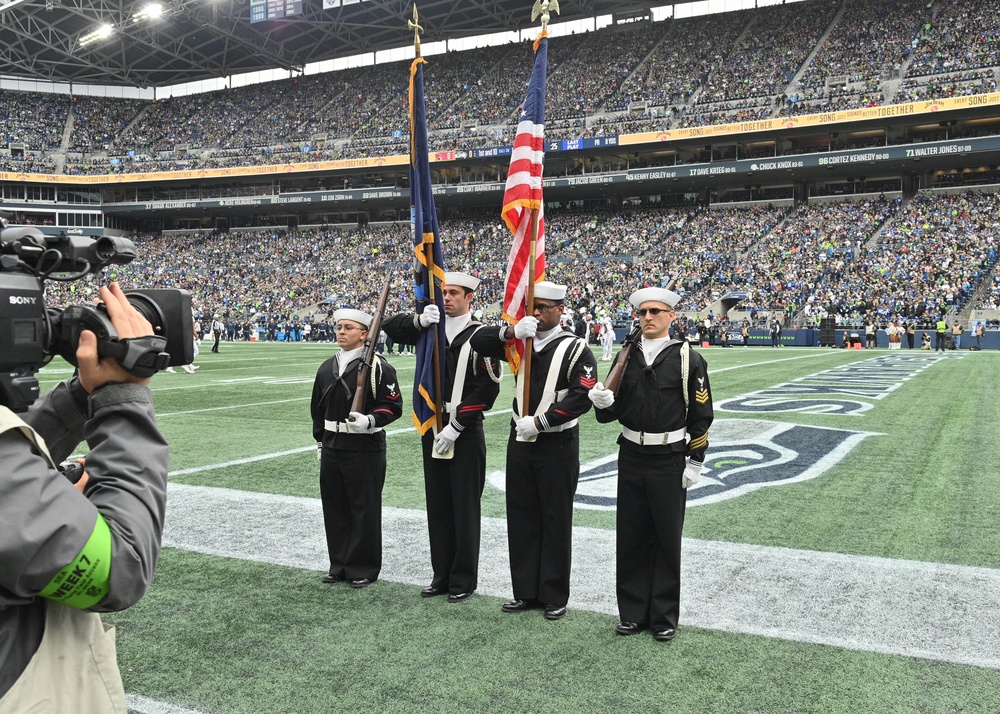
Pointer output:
x,y
68,553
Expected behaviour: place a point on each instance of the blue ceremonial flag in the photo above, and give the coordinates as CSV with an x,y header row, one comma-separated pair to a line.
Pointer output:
x,y
428,383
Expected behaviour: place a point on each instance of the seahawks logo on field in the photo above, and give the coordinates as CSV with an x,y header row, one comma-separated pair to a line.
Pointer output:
x,y
743,455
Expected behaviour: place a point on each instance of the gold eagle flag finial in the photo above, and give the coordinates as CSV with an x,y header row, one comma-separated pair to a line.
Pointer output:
x,y
417,29
543,8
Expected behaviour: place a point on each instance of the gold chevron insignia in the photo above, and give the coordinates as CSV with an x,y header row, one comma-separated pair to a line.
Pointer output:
x,y
701,396
698,442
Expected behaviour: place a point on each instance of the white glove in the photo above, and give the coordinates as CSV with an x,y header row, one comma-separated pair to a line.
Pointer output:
x,y
526,327
691,475
525,428
358,423
430,316
445,440
319,451
601,396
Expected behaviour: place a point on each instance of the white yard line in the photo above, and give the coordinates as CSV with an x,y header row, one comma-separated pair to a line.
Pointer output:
x,y
934,611
713,370
145,705
233,406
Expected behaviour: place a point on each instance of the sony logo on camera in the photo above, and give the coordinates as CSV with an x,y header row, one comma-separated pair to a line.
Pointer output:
x,y
21,300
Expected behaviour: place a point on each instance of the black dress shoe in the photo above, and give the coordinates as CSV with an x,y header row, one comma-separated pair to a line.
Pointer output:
x,y
459,597
664,634
629,628
555,612
331,578
431,591
361,582
517,605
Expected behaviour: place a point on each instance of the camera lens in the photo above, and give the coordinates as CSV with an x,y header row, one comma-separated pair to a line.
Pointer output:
x,y
148,308
111,249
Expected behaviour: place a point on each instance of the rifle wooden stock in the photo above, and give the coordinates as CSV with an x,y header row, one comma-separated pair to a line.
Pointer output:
x,y
614,378
364,371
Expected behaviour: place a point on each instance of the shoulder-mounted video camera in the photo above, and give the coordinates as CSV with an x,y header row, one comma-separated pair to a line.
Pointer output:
x,y
30,334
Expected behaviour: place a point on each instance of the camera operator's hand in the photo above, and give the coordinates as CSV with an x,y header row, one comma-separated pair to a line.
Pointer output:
x,y
95,372
82,483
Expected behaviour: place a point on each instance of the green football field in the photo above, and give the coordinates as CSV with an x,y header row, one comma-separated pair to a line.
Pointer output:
x,y
842,554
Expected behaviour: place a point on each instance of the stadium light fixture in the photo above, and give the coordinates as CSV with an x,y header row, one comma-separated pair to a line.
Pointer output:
x,y
101,33
8,4
150,11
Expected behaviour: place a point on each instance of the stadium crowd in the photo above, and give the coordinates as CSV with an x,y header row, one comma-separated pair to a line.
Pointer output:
x,y
868,44
636,77
931,254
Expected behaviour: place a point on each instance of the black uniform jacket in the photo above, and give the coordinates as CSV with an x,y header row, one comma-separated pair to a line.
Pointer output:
x,y
332,396
577,374
482,376
650,399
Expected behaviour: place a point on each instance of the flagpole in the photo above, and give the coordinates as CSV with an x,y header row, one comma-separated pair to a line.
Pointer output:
x,y
529,309
429,259
541,8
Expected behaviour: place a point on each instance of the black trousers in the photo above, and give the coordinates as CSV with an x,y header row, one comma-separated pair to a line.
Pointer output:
x,y
350,485
215,345
650,519
541,484
453,489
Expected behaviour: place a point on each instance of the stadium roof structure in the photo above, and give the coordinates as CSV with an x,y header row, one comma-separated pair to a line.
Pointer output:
x,y
204,39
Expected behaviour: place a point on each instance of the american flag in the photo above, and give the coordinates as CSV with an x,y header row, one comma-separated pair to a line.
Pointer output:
x,y
423,217
522,193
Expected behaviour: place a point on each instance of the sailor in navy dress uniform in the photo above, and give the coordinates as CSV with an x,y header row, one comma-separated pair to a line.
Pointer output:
x,y
664,406
543,451
351,449
454,459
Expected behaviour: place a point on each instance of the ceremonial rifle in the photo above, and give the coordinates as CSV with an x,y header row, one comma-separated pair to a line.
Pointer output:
x,y
614,377
371,345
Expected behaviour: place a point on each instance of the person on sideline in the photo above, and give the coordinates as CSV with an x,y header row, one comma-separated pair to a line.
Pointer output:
x,y
664,406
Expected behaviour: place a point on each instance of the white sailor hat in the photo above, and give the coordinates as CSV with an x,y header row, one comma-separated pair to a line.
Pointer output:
x,y
346,313
550,291
461,279
667,297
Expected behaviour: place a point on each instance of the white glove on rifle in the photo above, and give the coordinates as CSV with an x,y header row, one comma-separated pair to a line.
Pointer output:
x,y
430,316
445,440
601,396
358,423
525,428
692,473
526,327
319,451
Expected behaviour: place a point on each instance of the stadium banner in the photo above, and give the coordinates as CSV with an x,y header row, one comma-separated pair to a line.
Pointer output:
x,y
778,165
428,268
806,120
263,10
790,337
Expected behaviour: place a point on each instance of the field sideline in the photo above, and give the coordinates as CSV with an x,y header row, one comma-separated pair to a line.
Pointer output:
x,y
841,554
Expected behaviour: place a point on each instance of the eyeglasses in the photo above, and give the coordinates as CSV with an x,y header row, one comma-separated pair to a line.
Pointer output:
x,y
641,312
545,308
345,328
